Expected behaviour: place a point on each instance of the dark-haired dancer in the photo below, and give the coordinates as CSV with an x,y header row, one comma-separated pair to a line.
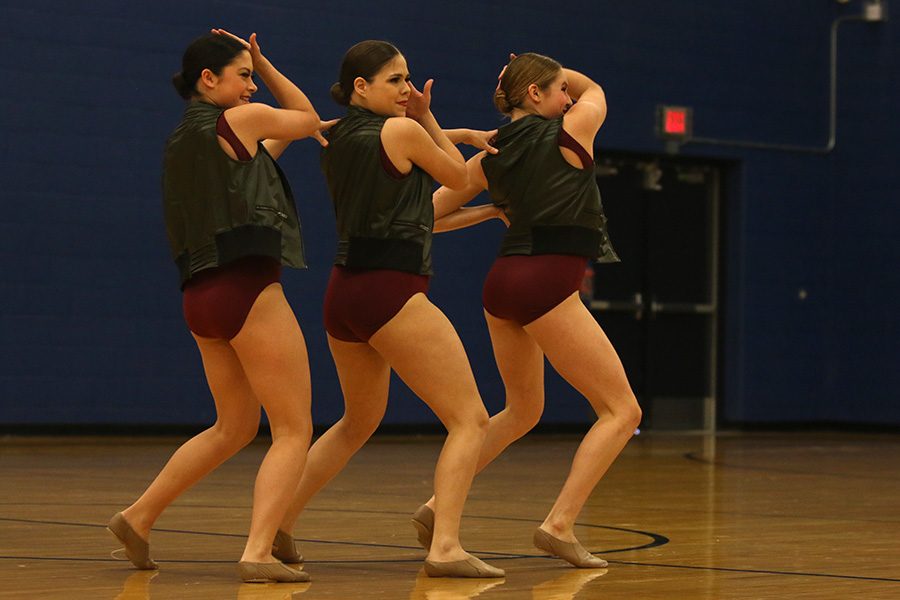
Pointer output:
x,y
379,166
232,223
542,182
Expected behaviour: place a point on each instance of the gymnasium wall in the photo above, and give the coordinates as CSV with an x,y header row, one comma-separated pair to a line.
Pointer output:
x,y
90,318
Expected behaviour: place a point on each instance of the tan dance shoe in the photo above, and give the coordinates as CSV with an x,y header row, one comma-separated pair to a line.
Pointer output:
x,y
136,548
285,550
573,553
275,572
423,521
470,567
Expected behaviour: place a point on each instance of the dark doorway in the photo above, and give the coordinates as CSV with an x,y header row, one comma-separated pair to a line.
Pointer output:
x,y
659,305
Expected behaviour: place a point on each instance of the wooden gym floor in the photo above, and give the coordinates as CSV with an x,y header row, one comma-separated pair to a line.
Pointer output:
x,y
740,516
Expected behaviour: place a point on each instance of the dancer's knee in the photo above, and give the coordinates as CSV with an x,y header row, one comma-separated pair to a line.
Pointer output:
x,y
356,432
236,434
629,414
480,419
624,412
524,415
472,420
296,430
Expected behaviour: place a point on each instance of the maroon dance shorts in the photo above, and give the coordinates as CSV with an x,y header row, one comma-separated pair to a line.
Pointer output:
x,y
216,301
358,302
522,288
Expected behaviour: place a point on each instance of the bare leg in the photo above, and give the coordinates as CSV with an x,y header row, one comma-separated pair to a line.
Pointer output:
x,y
365,380
521,365
236,425
273,353
425,351
579,350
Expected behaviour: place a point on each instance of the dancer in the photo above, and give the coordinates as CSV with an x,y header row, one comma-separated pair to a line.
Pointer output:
x,y
379,166
542,182
232,223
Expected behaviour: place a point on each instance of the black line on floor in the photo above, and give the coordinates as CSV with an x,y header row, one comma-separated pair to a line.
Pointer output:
x,y
755,571
656,539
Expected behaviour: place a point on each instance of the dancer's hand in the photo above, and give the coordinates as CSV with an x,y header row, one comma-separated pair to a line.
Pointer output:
x,y
323,127
252,46
419,103
503,70
483,140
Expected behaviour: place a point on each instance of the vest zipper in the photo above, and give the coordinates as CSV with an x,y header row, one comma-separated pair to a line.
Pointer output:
x,y
421,226
272,209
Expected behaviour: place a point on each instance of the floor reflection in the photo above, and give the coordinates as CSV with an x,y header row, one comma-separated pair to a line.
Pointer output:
x,y
137,586
272,591
445,588
566,586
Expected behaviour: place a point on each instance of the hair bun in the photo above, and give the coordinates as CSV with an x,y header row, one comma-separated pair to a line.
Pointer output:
x,y
502,102
181,85
339,95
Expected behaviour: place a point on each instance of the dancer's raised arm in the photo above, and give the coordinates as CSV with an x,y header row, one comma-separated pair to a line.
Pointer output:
x,y
275,127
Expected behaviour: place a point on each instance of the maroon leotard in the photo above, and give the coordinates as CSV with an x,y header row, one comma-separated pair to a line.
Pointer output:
x,y
358,302
223,130
387,165
521,287
565,140
216,301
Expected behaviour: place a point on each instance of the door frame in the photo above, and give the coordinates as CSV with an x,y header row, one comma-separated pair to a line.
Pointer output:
x,y
724,207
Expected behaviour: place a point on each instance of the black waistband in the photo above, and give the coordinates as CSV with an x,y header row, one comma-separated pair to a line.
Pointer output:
x,y
380,253
247,240
565,239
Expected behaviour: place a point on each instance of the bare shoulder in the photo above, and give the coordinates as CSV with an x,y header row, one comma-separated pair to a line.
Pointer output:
x,y
402,129
250,111
585,117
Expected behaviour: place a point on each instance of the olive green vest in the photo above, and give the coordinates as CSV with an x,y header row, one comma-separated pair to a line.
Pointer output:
x,y
382,222
552,207
218,209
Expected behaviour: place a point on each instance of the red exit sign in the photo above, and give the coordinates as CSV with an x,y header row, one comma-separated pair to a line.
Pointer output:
x,y
674,122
